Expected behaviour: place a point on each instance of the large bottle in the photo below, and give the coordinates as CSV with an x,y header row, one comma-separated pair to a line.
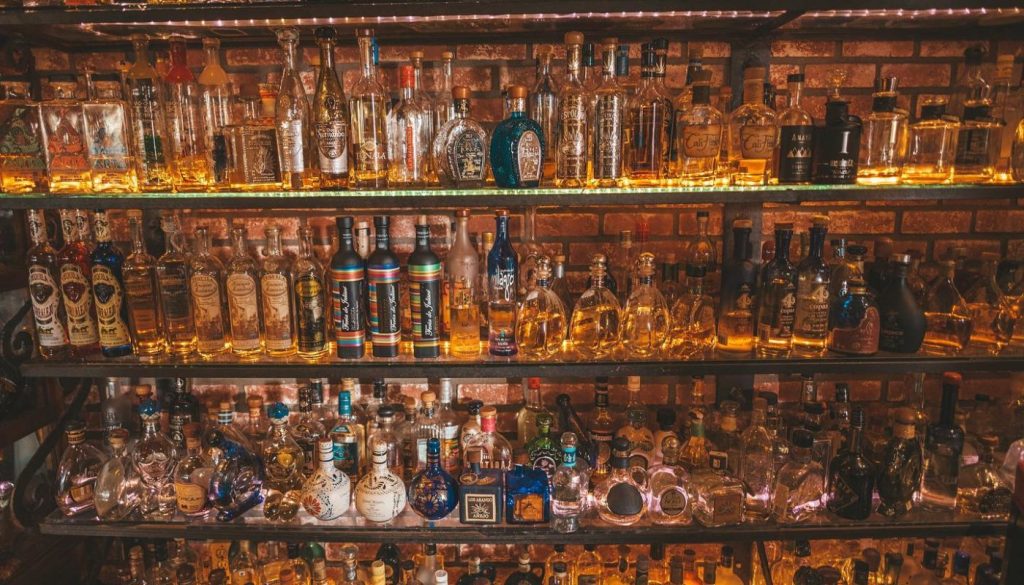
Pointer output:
x,y
47,304
348,305
609,112
105,122
739,290
368,105
175,301
885,137
647,121
502,271
383,278
330,116
409,135
185,127
216,108
425,294
148,119
796,136
276,308
294,121
517,146
206,286
752,133
108,290
64,136
572,123
459,151
594,328
242,289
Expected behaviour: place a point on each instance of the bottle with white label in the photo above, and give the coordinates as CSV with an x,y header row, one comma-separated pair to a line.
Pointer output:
x,y
206,288
380,494
108,290
76,287
47,306
330,116
276,294
243,298
294,128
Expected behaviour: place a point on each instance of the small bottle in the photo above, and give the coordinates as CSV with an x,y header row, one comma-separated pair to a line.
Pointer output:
x,y
108,290
66,145
517,146
433,493
837,145
981,489
669,488
902,320
718,496
380,494
495,450
409,135
620,499
796,136
459,151
594,329
753,133
276,307
118,490
481,493
608,114
799,484
978,143
326,495
384,292
571,151
947,316
348,279
294,121
885,137
425,294
899,473
698,136
854,322
330,116
284,466
810,323
777,298
569,489
185,124
77,471
972,84
502,271
942,450
172,279
192,476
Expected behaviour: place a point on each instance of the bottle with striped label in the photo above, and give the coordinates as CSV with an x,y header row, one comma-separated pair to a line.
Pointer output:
x,y
425,294
382,273
348,305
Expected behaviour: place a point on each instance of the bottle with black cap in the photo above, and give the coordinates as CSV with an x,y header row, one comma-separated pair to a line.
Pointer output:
x,y
884,135
930,152
902,320
851,479
837,145
796,136
384,300
942,449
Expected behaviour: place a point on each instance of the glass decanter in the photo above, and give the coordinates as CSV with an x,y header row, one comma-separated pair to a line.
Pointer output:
x,y
380,494
568,489
619,498
541,323
192,476
981,489
717,496
594,330
237,482
433,493
294,121
495,450
284,462
693,333
947,316
118,490
645,320
326,495
800,484
669,487
153,457
991,302
459,152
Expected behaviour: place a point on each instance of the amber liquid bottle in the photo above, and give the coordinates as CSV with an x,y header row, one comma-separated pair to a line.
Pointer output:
x,y
47,306
76,287
739,290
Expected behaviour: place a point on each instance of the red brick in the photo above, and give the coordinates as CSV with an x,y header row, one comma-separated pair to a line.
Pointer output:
x,y
688,222
777,74
936,222
50,59
488,109
475,78
581,253
974,247
945,48
1015,249
919,74
801,48
801,220
491,52
557,51
515,76
857,74
878,48
401,53
660,224
217,226
242,56
999,221
567,224
106,61
902,203
861,222
675,75
714,50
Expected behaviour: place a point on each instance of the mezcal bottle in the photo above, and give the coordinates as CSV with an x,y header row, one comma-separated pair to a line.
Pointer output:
x,y
206,287
368,105
572,122
330,116
142,295
609,113
148,120
47,304
76,288
309,299
175,302
105,122
425,294
185,127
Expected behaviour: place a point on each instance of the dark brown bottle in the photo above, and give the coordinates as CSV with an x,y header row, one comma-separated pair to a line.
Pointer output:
x,y
902,320
837,145
851,479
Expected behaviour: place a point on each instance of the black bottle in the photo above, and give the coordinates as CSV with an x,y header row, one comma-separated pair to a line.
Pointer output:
x,y
877,272
382,270
837,145
851,479
348,304
391,556
902,320
739,289
425,294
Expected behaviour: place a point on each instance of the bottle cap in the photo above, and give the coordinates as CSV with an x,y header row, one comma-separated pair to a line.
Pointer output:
x,y
857,250
278,411
900,259
695,271
819,221
887,83
119,437
517,92
574,38
489,412
322,33
406,76
380,222
803,439
460,92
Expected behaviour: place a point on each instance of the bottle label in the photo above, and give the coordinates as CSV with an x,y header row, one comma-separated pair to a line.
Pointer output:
x,y
65,144
702,141
20,143
602,448
108,150
608,136
77,294
796,154
260,164
624,499
545,459
140,294
290,137
347,291
782,315
451,451
82,493
527,508
109,298
174,294
860,339
467,157
385,317
332,144
891,333
972,147
46,307
148,129
380,498
243,311
368,140
309,306
572,137
424,300
206,302
479,507
812,309
673,501
757,142
191,497
346,452
529,153
277,314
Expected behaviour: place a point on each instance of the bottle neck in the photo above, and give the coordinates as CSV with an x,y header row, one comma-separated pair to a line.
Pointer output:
x,y
202,242
345,239
782,241
753,91
461,107
102,228
741,244
573,55
366,56
501,231
383,238
305,245
423,238
817,247
608,64
327,57
947,413
274,244
796,91
238,244
854,440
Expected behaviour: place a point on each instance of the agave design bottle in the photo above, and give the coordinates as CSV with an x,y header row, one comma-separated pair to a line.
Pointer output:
x,y
327,493
118,490
380,494
284,463
277,310
330,116
172,277
348,305
146,101
572,122
541,323
459,151
517,146
140,283
77,472
645,321
433,493
23,166
64,134
108,290
777,298
294,122
594,330
383,275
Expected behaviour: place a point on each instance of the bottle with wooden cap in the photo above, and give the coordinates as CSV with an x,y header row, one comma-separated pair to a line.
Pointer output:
x,y
459,150
517,146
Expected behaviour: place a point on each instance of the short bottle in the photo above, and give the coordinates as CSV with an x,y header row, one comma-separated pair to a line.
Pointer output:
x,y
541,323
799,484
854,322
717,495
645,319
620,499
517,146
527,493
326,495
433,493
981,489
669,488
594,329
380,494
192,476
481,492
284,463
460,146
569,492
931,146
977,144
899,473
948,324
118,492
698,134
902,320
884,137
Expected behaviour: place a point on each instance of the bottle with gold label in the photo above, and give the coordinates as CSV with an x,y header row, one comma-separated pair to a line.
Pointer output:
x,y
608,119
108,290
294,128
252,157
64,136
47,305
175,302
141,292
22,157
573,121
777,299
752,133
276,294
243,293
206,290
186,130
330,116
105,122
310,299
148,120
698,136
76,287
810,324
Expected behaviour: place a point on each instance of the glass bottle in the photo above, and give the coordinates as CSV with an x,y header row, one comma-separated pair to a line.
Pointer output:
x,y
153,456
495,450
307,430
502,270
22,156
527,492
307,276
752,133
243,565
252,157
981,489
885,137
851,476
443,108
408,136
776,313
947,316
349,438
533,407
215,90
294,123
433,493
796,136
620,499
141,290
971,85
192,476
75,287
368,105
326,495
277,300
756,465
698,135
172,278
569,489
594,330
118,490
462,270
572,122
330,116
64,135
693,319
284,462
541,450
931,146
459,150
542,108
108,291
380,494
847,268
992,308
646,136
799,484
701,252
243,298
899,473
106,131
717,496
382,271
810,323
148,120
669,487
517,146
739,287
348,305
206,285
978,142
903,322
77,471
541,322
237,483
256,425
645,322
943,447
609,112
854,322
837,145
425,294
185,127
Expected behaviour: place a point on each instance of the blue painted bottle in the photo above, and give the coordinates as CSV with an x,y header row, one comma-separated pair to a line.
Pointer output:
x,y
433,493
236,484
517,146
527,494
383,277
108,291
502,271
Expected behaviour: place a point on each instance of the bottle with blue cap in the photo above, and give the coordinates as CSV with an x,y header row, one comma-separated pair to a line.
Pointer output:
x,y
284,462
433,493
154,456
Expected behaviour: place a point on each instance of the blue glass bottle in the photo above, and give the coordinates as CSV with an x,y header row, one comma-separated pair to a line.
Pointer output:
x,y
527,495
236,484
383,276
348,305
108,291
517,146
502,271
433,493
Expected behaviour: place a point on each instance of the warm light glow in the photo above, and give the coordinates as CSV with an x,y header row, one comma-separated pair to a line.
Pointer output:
x,y
904,13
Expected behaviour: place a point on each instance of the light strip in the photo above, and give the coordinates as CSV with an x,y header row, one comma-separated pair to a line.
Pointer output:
x,y
903,13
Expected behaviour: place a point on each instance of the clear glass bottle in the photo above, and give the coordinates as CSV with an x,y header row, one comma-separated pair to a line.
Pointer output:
x,y
185,127
384,292
884,143
981,489
619,498
796,136
459,150
753,133
294,121
978,143
192,476
693,319
141,292
277,310
495,450
533,407
284,463
609,112
252,157
756,465
330,116
670,487
243,298
409,136
992,308
810,323
943,447
571,151
646,320
699,129
542,107
154,457
118,491
307,430
777,298
646,140
310,302
541,322
216,91
717,496
65,139
368,105
172,278
77,471
380,494
326,495
947,316
569,492
972,83
148,120
931,147
594,330
107,136
799,485
206,285
462,267
443,108
22,156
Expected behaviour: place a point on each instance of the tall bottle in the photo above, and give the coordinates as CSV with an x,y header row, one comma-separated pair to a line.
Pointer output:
x,y
148,120
185,127
216,110
752,133
368,105
463,268
47,305
64,136
383,280
542,107
971,85
443,108
902,320
777,298
425,294
172,278
348,305
108,145
502,271
810,326
22,151
243,290
609,123
796,136
739,293
76,287
943,447
142,295
408,136
206,289
647,122
309,299
851,476
698,136
572,121
899,473
885,137
330,116
277,306
294,122
517,146
108,290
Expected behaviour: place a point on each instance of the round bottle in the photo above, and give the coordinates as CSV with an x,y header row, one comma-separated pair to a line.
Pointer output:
x,y
327,493
380,494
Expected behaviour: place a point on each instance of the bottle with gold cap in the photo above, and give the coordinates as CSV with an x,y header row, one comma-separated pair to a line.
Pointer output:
x,y
810,327
752,133
573,122
517,146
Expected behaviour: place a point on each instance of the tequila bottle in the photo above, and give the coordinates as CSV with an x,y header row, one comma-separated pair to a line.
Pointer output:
x,y
931,146
542,108
796,136
541,322
108,291
947,316
383,278
77,471
215,89
330,116
192,476
252,156
326,495
978,143
66,142
502,271
148,120
243,298
284,463
851,476
107,136
669,488
22,156
495,450
425,294
443,108
899,473
348,303
185,128
541,450
459,150
276,288
206,288
142,295
153,456
76,288
645,322
527,493
620,499
594,330
698,136
739,288
382,430
517,146
903,323
648,116
810,323
408,136
885,137
307,430
349,439
609,111
569,492
572,121
601,428
368,105
693,319
463,274
380,494
799,485
777,298
981,489
175,301
448,423
118,491
310,300
753,133
943,447
756,465
854,322
294,121
433,493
